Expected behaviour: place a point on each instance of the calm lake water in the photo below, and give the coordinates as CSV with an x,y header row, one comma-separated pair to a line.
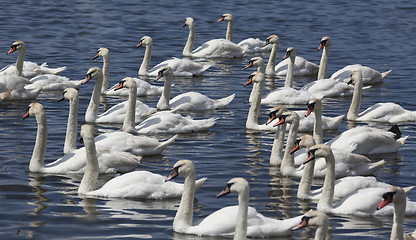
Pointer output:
x,y
379,34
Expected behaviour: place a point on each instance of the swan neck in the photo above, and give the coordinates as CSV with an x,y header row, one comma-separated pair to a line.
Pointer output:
x,y
289,74
305,184
321,231
144,67
92,110
272,60
356,101
164,99
397,231
38,156
242,213
288,162
184,215
19,62
317,127
229,34
326,201
254,110
71,128
130,120
187,50
323,65
278,142
90,176
106,72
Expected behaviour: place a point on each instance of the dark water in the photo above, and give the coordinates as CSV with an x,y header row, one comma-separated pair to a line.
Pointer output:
x,y
379,34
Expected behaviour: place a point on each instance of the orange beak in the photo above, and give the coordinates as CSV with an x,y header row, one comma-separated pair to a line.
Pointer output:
x,y
140,44
87,78
297,147
95,57
302,224
12,49
221,19
310,109
250,64
250,81
271,118
286,55
26,115
120,86
321,46
282,120
310,158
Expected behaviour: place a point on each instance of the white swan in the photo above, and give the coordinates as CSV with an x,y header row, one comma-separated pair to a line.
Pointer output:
x,y
72,95
143,87
379,112
251,45
301,67
24,93
190,101
92,110
180,67
318,219
110,160
118,112
361,202
224,221
136,184
215,48
397,196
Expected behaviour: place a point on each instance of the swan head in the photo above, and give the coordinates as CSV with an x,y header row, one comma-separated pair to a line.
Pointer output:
x,y
325,42
34,109
276,112
287,117
145,40
101,52
165,71
127,82
304,141
314,103
18,45
290,52
181,168
87,131
235,185
313,218
272,39
69,93
188,22
226,17
256,77
255,61
93,72
317,151
356,78
394,195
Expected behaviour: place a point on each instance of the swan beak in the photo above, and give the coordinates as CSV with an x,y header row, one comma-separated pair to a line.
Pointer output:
x,y
310,157
387,198
310,110
250,64
271,118
95,57
250,81
225,191
303,223
159,76
26,115
140,44
321,46
61,99
120,86
221,19
383,203
184,24
286,55
173,174
351,81
87,78
297,147
280,122
12,49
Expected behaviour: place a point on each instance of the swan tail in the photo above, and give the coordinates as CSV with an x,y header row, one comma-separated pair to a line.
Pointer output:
x,y
223,102
377,165
45,70
4,95
407,189
165,144
199,183
205,67
385,74
337,121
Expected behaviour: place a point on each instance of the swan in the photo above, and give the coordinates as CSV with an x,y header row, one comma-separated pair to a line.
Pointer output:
x,y
259,62
251,45
92,109
27,69
190,101
379,112
143,87
136,184
72,95
397,196
215,48
181,67
325,46
301,67
110,160
352,204
118,112
316,219
25,93
240,219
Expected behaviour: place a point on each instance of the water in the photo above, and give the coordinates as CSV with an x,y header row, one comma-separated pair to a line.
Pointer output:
x,y
379,34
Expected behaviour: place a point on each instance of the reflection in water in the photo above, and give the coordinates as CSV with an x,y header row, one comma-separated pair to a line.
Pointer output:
x,y
89,207
36,181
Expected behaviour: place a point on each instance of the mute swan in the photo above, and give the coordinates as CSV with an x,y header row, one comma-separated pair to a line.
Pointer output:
x,y
180,67
136,184
397,196
240,219
118,113
259,62
215,48
92,110
190,101
251,45
301,67
379,112
70,144
316,219
110,160
325,46
143,87
27,69
353,203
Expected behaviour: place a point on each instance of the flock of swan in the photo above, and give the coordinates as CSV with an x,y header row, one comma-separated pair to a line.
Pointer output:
x,y
347,188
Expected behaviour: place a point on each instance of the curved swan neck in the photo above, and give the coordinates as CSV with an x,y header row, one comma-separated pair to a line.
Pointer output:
x,y
272,60
229,34
71,128
326,201
323,65
288,162
356,101
289,74
130,120
164,99
89,179
187,50
305,184
397,231
144,67
254,110
184,215
106,72
317,127
38,156
92,110
278,142
241,224
321,231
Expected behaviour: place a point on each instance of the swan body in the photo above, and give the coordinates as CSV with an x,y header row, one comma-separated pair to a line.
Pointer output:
x,y
370,76
51,82
239,220
328,88
316,219
379,112
215,48
180,67
25,93
191,101
109,159
136,184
